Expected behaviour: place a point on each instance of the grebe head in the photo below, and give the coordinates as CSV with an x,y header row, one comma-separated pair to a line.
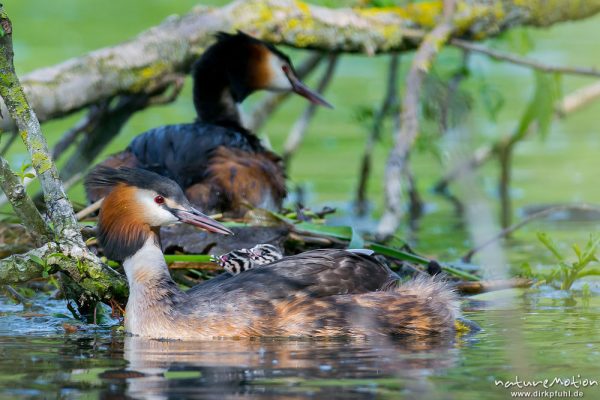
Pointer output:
x,y
139,203
252,65
265,254
235,261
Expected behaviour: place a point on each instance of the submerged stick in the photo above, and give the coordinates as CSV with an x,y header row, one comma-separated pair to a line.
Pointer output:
x,y
490,286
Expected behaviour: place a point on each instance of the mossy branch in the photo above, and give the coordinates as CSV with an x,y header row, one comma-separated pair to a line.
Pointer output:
x,y
59,208
67,251
95,280
135,66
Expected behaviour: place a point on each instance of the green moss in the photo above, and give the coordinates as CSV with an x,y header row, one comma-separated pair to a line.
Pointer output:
x,y
143,77
41,162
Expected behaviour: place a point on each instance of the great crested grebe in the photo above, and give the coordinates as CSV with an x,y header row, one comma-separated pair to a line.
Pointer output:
x,y
221,166
313,299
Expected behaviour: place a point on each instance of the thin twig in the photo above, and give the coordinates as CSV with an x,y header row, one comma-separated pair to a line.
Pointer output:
x,y
110,120
299,129
569,104
390,100
409,129
540,214
578,99
470,287
92,208
15,295
69,136
526,62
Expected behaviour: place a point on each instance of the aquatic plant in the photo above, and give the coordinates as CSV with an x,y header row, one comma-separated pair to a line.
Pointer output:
x,y
567,272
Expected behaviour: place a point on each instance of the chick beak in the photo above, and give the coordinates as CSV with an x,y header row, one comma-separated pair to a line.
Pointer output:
x,y
303,90
194,217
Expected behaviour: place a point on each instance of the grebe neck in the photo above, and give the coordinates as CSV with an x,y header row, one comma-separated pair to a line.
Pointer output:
x,y
214,99
153,295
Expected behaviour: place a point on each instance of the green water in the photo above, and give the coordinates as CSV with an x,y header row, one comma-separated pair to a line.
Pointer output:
x,y
542,334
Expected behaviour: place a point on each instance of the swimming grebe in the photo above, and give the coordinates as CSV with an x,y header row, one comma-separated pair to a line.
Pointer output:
x,y
308,300
221,165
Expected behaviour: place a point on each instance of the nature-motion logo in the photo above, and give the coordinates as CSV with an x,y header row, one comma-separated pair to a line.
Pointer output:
x,y
547,383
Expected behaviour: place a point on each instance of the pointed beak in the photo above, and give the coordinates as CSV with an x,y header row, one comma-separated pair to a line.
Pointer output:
x,y
304,91
194,217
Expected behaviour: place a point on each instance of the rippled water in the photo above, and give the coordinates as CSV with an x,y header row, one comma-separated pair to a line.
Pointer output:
x,y
541,335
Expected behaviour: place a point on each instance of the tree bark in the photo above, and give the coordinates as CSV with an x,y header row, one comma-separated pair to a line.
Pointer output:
x,y
67,251
139,64
59,208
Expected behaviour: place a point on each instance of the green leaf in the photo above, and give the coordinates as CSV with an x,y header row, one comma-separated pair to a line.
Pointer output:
x,y
193,258
546,241
182,374
586,293
37,260
577,250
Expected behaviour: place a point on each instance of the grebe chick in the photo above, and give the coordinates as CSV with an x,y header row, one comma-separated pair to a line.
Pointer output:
x,y
240,260
326,294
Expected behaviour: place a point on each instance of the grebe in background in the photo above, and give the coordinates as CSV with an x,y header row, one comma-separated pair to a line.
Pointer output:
x,y
221,165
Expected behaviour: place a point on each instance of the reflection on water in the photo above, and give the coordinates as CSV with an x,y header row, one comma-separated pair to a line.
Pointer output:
x,y
263,369
562,338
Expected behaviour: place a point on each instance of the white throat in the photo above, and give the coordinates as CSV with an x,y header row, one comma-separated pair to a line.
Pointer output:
x,y
147,264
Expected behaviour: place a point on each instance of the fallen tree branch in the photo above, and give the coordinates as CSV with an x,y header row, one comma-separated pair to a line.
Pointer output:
x,y
526,62
110,120
171,47
58,207
67,251
409,129
84,124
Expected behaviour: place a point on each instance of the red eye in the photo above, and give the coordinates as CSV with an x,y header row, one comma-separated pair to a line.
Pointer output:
x,y
159,199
